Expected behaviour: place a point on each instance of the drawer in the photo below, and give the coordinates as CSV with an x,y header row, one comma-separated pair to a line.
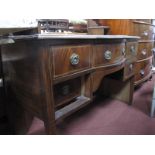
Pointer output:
x,y
128,69
66,91
142,69
144,50
144,31
70,59
131,50
107,54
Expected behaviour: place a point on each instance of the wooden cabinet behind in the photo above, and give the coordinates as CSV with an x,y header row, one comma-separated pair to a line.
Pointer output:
x,y
143,28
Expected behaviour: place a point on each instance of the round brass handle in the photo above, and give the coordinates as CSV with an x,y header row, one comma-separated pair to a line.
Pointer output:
x,y
123,51
131,67
142,72
74,59
144,52
153,50
145,33
132,49
65,90
108,55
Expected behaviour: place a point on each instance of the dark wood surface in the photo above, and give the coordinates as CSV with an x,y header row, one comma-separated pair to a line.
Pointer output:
x,y
62,55
100,51
2,91
66,91
21,70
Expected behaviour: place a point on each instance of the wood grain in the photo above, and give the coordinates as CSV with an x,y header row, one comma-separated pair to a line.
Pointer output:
x,y
100,50
144,50
137,27
142,69
61,59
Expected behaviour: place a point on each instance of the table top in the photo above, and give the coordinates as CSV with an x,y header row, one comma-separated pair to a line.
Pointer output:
x,y
71,36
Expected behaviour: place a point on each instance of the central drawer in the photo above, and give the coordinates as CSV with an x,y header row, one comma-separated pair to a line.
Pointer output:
x,y
107,54
70,59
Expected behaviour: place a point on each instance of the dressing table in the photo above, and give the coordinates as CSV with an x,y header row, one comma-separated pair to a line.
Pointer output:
x,y
52,76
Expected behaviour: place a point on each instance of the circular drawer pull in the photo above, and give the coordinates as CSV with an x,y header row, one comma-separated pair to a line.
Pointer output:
x,y
65,90
74,59
107,55
123,51
153,50
142,72
144,52
145,33
132,49
131,67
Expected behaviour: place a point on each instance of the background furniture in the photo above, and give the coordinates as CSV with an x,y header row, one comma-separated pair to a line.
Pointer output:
x,y
143,28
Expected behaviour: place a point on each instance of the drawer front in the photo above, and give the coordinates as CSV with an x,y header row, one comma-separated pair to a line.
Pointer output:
x,y
66,91
108,54
144,31
70,59
131,50
128,69
144,50
142,69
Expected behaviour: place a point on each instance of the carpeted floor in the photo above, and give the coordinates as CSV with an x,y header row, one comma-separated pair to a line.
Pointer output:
x,y
109,117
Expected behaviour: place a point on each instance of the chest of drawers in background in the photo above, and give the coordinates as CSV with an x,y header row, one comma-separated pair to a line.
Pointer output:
x,y
144,28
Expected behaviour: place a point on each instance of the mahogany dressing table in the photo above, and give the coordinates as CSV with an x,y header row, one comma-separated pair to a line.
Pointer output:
x,y
52,76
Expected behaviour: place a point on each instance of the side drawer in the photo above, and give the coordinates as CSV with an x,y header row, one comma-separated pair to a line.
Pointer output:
x,y
131,50
128,69
70,59
107,54
144,31
66,91
143,69
144,50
